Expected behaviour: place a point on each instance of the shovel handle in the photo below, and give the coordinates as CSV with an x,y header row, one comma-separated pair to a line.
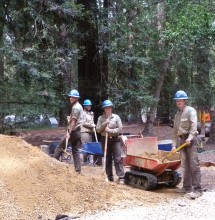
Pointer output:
x,y
94,129
174,151
105,150
66,152
179,148
67,140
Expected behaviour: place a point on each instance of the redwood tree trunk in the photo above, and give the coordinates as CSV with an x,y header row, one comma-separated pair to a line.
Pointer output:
x,y
1,42
91,80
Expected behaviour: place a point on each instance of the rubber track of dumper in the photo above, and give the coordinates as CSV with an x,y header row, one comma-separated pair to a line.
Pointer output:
x,y
152,180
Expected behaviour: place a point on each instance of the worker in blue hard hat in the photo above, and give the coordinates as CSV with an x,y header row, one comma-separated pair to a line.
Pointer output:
x,y
73,134
185,131
109,126
87,127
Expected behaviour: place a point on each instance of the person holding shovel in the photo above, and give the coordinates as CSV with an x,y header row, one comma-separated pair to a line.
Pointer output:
x,y
109,125
185,131
73,134
88,126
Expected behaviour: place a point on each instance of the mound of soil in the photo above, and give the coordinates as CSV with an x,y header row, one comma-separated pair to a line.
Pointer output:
x,y
35,186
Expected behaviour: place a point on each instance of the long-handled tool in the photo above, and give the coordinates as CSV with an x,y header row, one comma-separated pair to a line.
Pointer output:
x,y
95,134
67,139
105,150
174,151
64,150
66,144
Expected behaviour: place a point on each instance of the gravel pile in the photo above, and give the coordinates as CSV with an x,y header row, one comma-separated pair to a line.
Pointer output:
x,y
174,209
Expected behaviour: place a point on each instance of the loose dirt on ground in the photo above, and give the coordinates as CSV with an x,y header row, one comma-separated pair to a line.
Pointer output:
x,y
35,186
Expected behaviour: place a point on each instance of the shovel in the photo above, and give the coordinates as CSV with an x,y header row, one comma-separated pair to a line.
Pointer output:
x,y
105,150
66,144
174,151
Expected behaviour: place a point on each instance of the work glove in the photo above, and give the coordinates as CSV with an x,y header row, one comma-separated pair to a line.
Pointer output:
x,y
188,142
107,129
68,119
173,148
93,125
106,122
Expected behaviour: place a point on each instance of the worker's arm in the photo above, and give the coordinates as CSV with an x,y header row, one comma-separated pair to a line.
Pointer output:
x,y
118,127
75,114
88,123
175,137
101,124
193,126
72,125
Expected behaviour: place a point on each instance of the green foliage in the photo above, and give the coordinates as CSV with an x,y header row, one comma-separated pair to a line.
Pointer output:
x,y
137,50
38,45
191,34
39,51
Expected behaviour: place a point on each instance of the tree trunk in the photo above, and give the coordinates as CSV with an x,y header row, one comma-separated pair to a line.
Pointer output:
x,y
104,42
148,129
161,19
91,80
1,71
1,43
202,78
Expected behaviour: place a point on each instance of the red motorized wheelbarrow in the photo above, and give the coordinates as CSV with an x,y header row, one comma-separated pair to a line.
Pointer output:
x,y
149,167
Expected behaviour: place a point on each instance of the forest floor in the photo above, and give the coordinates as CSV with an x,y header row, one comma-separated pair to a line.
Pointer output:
x,y
35,186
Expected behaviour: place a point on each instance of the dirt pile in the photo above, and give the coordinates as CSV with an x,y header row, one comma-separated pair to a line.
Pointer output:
x,y
36,186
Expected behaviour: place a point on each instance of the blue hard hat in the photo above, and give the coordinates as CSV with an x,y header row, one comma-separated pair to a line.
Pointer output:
x,y
87,102
74,93
180,95
107,103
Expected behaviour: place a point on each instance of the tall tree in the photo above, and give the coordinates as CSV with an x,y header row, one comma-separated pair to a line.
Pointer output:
x,y
163,70
92,80
38,48
2,22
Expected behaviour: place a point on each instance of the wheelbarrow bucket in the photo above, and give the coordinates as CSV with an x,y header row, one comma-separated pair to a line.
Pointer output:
x,y
92,148
155,166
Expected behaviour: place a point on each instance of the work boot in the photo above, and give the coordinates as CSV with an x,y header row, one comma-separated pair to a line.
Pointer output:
x,y
194,195
79,172
109,179
183,190
121,180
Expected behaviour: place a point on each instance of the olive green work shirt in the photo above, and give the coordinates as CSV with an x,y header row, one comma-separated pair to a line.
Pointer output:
x,y
115,125
185,122
88,122
77,113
